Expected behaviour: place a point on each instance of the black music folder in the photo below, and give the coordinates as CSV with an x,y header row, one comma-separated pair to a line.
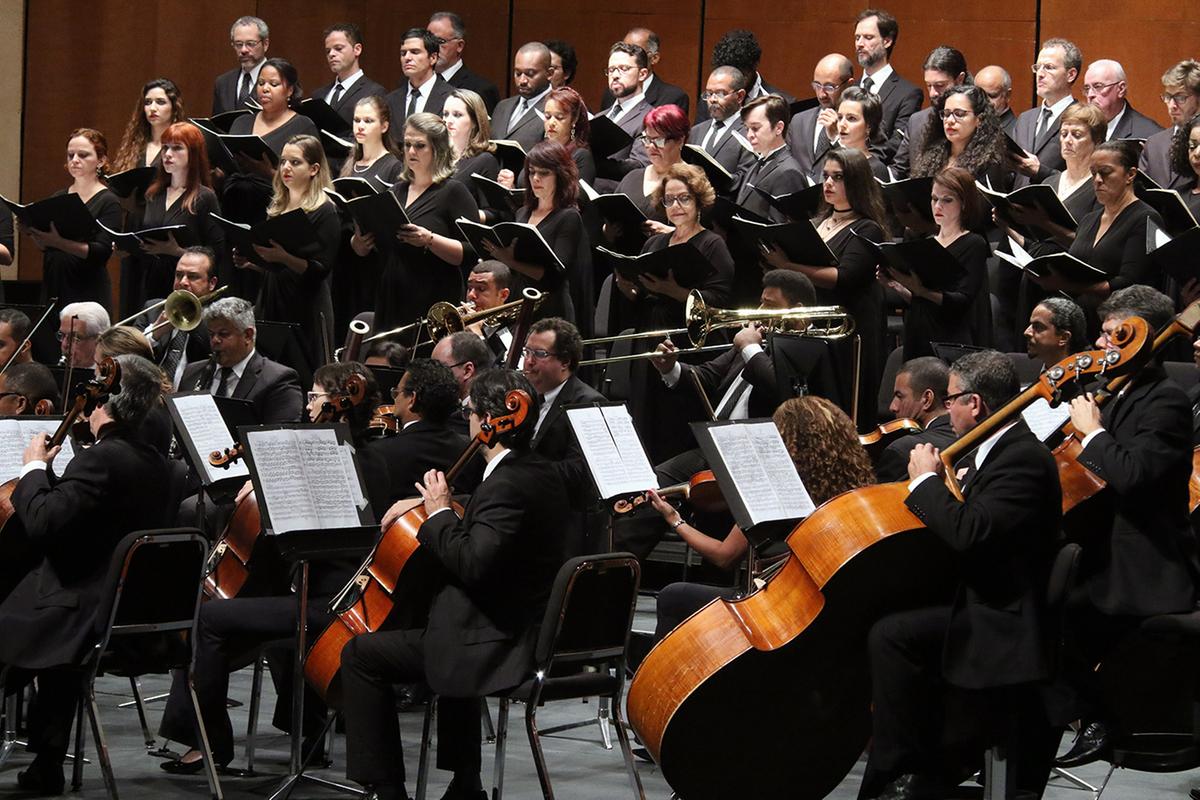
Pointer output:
x,y
131,241
291,231
496,194
618,210
335,146
1178,256
531,247
925,257
351,187
798,240
724,210
1065,264
1177,217
909,194
510,154
1038,199
722,180
323,116
67,212
687,263
219,156
221,123
131,181
379,214
250,146
606,137
796,205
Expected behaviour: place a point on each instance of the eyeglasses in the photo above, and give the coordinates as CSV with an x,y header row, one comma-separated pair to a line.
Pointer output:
x,y
312,396
414,145
1036,68
681,199
828,87
959,114
950,398
657,141
1177,99
538,354
721,95
622,69
79,337
246,45
1097,88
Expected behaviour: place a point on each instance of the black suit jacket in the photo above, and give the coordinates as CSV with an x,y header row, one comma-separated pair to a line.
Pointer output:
x,y
1139,553
1135,125
361,88
778,175
1046,148
555,441
529,129
465,79
893,461
197,348
397,101
702,109
909,149
1003,535
272,388
630,158
660,93
502,558
900,100
225,90
117,486
1155,161
1008,122
716,376
415,450
734,155
800,133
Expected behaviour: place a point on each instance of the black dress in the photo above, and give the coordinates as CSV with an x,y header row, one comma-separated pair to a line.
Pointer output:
x,y
72,279
631,186
926,321
355,279
158,272
484,164
563,230
131,292
302,298
1121,252
1080,202
414,278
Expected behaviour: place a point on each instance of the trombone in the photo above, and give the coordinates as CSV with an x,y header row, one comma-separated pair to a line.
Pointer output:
x,y
184,310
825,322
444,318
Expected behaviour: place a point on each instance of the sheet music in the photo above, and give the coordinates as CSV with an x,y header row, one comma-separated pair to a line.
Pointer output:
x,y
762,470
1045,420
303,480
322,456
612,450
1161,237
205,426
15,436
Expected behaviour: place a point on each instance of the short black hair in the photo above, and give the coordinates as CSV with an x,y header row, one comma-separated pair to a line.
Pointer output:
x,y
927,372
1138,301
774,106
889,28
206,252
989,374
796,287
396,354
948,60
432,43
566,52
638,54
568,344
352,31
34,382
18,320
1066,315
488,394
738,48
500,272
433,388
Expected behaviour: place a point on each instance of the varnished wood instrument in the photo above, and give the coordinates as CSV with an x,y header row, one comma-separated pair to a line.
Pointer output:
x,y
700,491
383,580
877,440
785,668
384,421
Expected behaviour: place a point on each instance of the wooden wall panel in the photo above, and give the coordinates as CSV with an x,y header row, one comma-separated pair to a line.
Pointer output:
x,y
592,30
12,95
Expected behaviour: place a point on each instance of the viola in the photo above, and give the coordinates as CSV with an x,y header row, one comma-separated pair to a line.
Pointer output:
x,y
1194,483
700,491
390,574
229,562
877,440
384,422
793,652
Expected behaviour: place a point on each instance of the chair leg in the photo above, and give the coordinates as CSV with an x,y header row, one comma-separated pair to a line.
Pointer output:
x,y
210,768
426,746
77,767
10,725
93,712
501,742
635,780
141,711
602,710
485,718
252,720
1104,783
535,746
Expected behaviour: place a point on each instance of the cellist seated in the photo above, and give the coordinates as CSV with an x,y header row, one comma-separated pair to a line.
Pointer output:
x,y
925,661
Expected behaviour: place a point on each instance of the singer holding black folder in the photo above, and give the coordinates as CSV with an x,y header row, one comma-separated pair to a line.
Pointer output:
x,y
466,119
77,271
426,266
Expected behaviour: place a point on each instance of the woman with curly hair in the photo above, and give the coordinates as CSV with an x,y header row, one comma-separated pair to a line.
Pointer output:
x,y
161,106
1185,160
823,445
964,132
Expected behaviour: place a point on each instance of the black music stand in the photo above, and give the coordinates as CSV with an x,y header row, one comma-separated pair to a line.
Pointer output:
x,y
284,342
302,547
387,378
809,365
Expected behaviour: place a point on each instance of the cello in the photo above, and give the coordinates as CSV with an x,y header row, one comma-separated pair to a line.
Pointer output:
x,y
793,653
385,577
228,565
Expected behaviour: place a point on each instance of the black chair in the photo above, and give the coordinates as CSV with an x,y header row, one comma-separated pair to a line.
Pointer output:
x,y
581,652
887,383
152,601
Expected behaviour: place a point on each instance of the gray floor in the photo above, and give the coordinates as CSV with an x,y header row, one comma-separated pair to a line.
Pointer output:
x,y
579,766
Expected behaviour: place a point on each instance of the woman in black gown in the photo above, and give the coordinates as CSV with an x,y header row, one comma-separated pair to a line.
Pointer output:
x,y
78,271
465,115
1185,157
964,132
550,206
180,195
295,287
426,263
948,314
853,210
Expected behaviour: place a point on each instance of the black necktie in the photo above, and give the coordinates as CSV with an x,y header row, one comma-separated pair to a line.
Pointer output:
x,y
244,90
615,111
714,135
337,92
1043,123
223,386
867,83
413,94
174,354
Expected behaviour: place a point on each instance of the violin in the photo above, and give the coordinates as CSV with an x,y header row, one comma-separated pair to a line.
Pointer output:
x,y
795,647
390,575
384,422
229,562
878,440
701,491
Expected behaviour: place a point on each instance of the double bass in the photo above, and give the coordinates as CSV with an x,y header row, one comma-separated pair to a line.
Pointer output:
x,y
785,669
228,565
386,576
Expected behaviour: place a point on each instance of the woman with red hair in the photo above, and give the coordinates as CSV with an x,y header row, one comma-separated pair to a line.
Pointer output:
x,y
181,194
664,131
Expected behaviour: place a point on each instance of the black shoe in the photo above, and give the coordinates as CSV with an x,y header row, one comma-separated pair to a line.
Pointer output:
x,y
411,696
43,782
454,793
1091,744
1195,794
911,787
181,767
312,753
642,754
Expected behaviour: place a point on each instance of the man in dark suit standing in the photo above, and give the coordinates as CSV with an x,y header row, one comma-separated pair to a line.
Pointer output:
x,y
250,38
740,49
1057,67
627,70
450,28
71,525
775,171
944,68
343,50
237,370
994,634
175,349
1104,87
1181,94
657,91
997,85
919,394
722,135
520,118
500,562
811,132
423,89
875,35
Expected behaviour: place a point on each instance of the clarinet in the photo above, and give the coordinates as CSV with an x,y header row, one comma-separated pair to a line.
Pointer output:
x,y
206,374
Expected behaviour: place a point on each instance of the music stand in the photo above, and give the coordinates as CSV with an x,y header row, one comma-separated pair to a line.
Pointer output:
x,y
284,342
809,365
387,378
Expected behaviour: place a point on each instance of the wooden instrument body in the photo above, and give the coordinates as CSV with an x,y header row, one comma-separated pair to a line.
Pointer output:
x,y
228,566
1194,482
878,440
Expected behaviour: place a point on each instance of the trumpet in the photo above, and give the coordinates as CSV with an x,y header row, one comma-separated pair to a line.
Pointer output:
x,y
183,309
825,322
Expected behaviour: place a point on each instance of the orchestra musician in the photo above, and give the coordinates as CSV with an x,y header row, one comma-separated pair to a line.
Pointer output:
x,y
74,522
80,325
14,327
466,356
992,636
919,394
28,388
1139,555
500,559
175,350
490,285
1057,328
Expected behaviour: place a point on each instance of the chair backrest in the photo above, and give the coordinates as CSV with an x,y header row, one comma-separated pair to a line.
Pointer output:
x,y
603,308
590,611
1182,372
887,383
154,581
1062,575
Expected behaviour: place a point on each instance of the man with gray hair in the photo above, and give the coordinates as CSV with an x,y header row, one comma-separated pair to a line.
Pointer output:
x,y
1003,534
520,117
811,133
450,28
250,38
237,370
657,91
997,85
1056,70
1104,86
80,324
723,134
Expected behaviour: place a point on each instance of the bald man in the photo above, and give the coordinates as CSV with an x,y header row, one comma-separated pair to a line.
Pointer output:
x,y
1104,86
656,91
997,85
810,132
520,117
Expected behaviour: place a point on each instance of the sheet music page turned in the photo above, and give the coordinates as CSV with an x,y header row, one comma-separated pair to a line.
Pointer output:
x,y
16,434
762,471
1045,420
612,450
207,429
302,479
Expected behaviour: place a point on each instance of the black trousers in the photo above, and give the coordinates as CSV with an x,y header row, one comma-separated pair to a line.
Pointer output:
x,y
228,637
678,601
52,712
371,665
1088,636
